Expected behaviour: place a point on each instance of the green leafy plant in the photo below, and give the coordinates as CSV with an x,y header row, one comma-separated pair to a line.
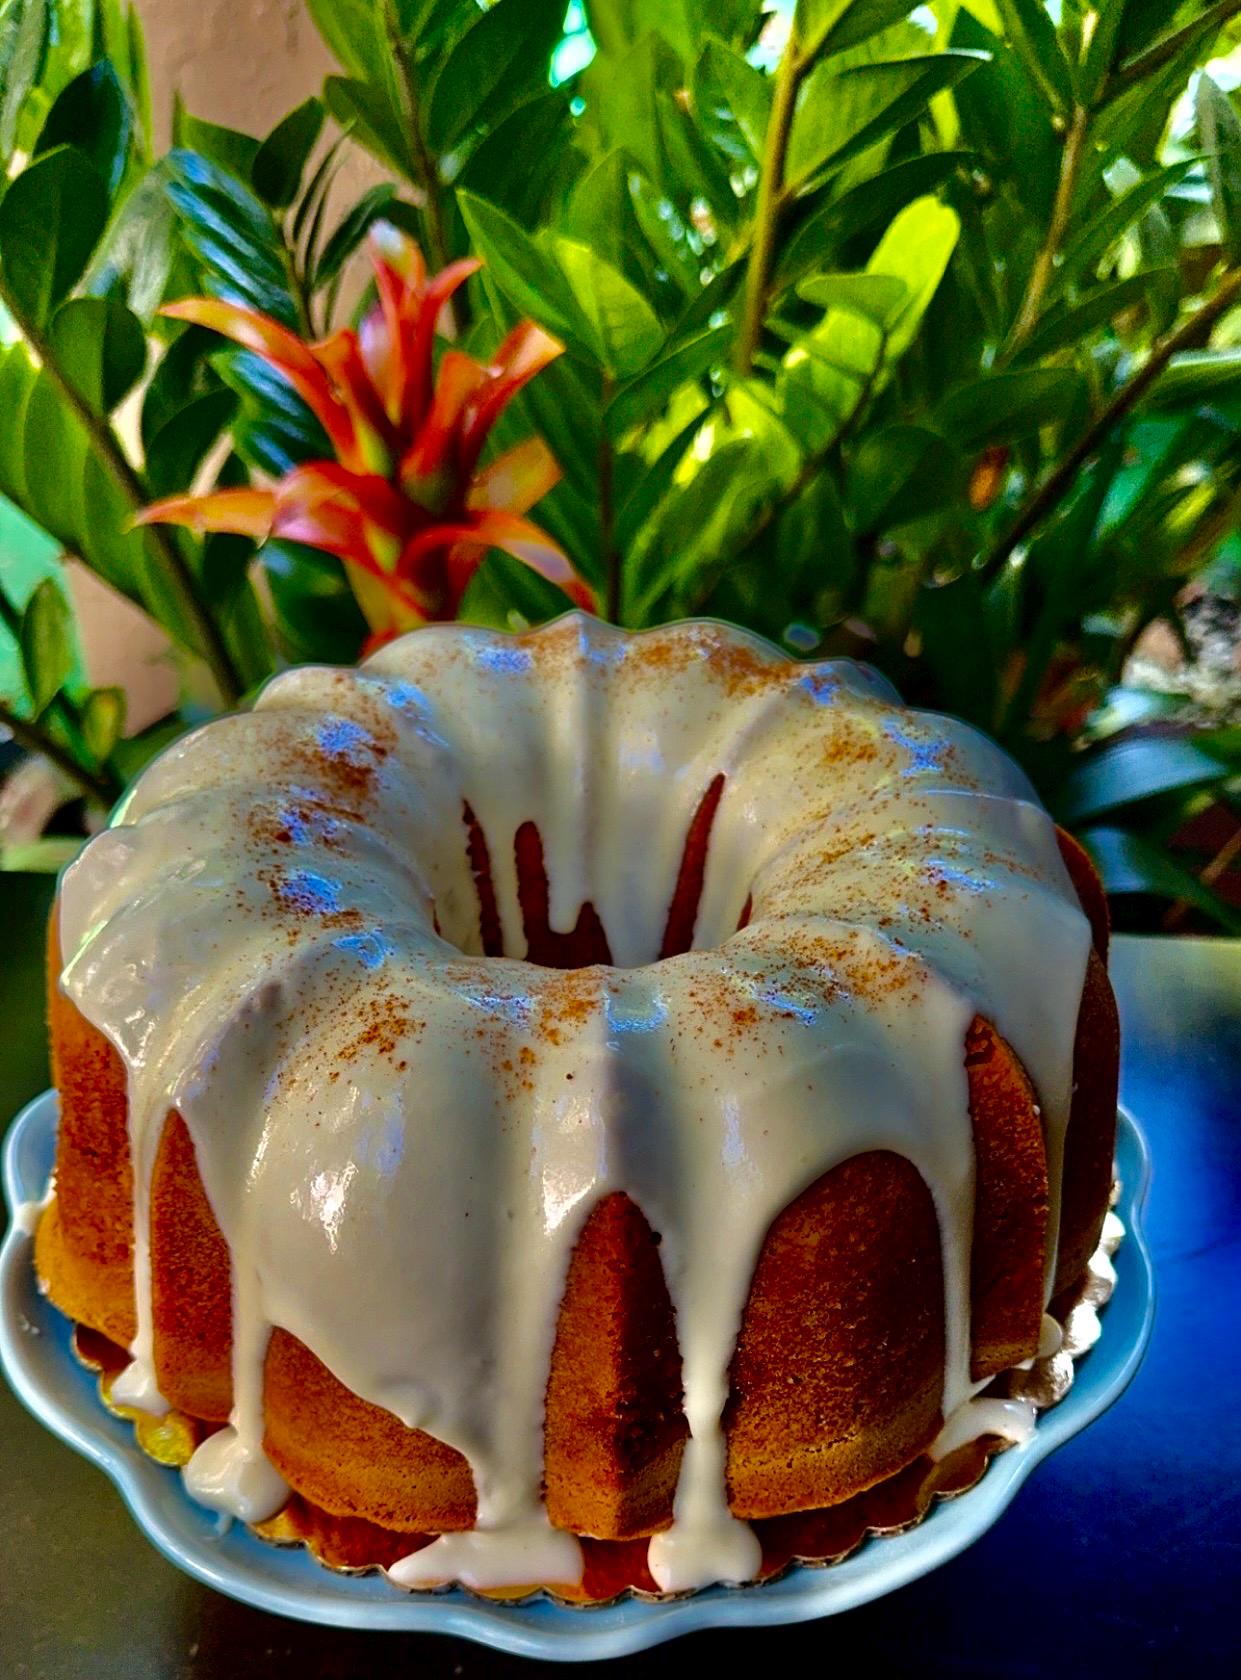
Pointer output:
x,y
907,333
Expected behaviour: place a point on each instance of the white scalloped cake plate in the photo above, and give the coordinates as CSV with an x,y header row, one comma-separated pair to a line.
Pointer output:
x,y
38,1359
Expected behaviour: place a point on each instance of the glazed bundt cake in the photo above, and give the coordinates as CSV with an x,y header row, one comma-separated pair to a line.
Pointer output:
x,y
576,1084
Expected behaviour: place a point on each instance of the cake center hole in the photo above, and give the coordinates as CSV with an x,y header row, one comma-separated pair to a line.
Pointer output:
x,y
586,942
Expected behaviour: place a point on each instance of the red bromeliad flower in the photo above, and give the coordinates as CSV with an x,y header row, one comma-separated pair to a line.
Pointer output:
x,y
405,503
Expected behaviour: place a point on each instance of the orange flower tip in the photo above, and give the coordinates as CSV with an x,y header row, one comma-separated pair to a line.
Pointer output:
x,y
246,513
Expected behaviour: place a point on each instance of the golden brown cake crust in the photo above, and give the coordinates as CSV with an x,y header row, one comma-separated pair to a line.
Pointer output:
x,y
355,1459
853,1262
1007,1257
191,1284
838,1370
614,1429
84,1249
1090,1140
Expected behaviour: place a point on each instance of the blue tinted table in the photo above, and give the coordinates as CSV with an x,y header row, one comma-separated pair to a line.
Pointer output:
x,y
1120,1556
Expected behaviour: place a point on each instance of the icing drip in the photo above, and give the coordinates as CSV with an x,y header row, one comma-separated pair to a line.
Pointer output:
x,y
528,1552
1012,1420
231,1474
304,933
136,1386
26,1215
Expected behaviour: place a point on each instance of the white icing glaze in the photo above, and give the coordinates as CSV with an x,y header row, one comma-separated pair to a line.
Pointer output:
x,y
372,1100
26,1215
526,1552
1011,1420
230,1473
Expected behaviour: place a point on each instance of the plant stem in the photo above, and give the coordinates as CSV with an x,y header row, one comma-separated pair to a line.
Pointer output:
x,y
611,555
420,156
770,188
112,457
1057,226
1166,48
1056,487
96,786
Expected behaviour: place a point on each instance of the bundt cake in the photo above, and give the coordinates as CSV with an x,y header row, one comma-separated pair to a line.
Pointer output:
x,y
575,1084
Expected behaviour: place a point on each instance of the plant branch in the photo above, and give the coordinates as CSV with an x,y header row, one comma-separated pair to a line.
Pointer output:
x,y
770,191
97,786
1057,227
116,463
1056,487
420,154
1167,48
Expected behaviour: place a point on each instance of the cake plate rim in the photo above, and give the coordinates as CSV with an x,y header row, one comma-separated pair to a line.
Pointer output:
x,y
38,1361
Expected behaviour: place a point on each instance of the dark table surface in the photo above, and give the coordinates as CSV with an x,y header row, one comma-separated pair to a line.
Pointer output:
x,y
1120,1556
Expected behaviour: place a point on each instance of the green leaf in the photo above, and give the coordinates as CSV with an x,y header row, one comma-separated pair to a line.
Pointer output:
x,y
228,148
507,52
831,222
103,721
1101,53
1135,768
826,27
353,31
1062,327
916,250
1198,376
1005,119
280,162
316,613
51,218
233,235
371,115
177,449
956,643
135,752
135,257
842,113
24,28
1003,407
638,103
1179,43
699,525
875,297
182,372
39,857
517,164
350,232
618,24
622,329
901,474
651,389
274,429
1128,863
527,275
1028,26
732,101
654,484
1219,132
49,467
92,113
46,643
1088,247
100,348
832,368
603,213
